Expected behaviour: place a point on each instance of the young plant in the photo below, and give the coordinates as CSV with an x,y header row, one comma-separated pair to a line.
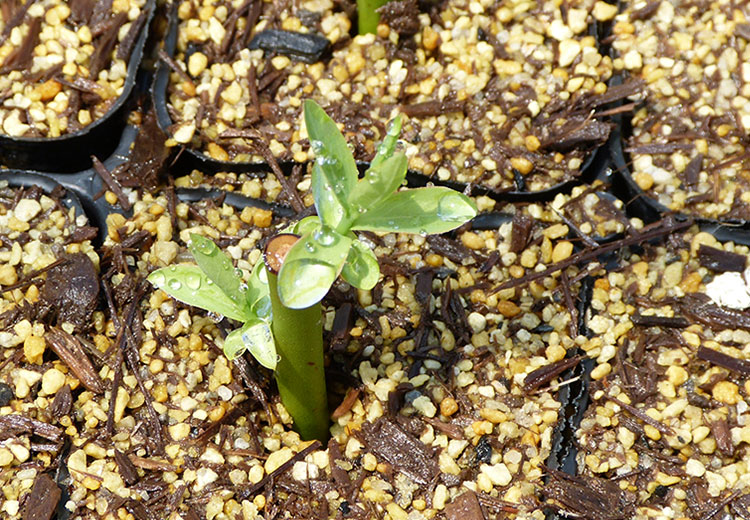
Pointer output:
x,y
327,246
367,15
216,286
302,266
280,306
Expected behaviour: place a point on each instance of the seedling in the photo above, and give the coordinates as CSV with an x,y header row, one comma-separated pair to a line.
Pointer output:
x,y
280,306
216,286
367,15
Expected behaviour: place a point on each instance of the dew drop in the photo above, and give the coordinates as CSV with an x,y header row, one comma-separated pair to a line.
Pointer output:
x,y
158,279
317,146
238,272
278,359
324,236
243,287
172,268
215,317
175,284
193,281
310,247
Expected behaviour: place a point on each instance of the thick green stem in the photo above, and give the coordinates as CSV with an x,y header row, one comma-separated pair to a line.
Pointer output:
x,y
299,372
367,18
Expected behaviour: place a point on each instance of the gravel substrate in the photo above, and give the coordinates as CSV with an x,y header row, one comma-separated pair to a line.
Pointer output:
x,y
689,141
498,95
63,64
432,364
667,425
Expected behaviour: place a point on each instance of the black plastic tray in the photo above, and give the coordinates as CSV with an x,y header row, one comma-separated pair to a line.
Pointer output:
x,y
72,152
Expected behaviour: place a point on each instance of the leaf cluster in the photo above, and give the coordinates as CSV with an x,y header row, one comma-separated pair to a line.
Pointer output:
x,y
216,286
344,203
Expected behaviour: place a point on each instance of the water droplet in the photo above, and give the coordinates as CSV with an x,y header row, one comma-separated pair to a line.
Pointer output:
x,y
206,247
243,287
324,236
310,247
423,232
278,359
175,284
193,281
158,279
215,317
172,268
238,272
209,282
317,146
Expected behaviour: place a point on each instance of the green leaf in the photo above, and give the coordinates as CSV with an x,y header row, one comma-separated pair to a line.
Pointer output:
x,y
334,172
311,266
256,337
258,293
379,182
387,147
189,284
218,268
421,210
306,225
361,269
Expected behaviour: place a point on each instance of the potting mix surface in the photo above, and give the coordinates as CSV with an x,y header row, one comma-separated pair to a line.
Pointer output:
x,y
580,349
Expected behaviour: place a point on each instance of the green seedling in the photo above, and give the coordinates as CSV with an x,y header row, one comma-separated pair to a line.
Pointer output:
x,y
368,16
328,246
279,306
216,286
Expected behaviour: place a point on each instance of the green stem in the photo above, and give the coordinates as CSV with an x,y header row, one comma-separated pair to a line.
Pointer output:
x,y
299,372
368,19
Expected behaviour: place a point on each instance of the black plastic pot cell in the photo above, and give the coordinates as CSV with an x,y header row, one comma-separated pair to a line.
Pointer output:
x,y
72,152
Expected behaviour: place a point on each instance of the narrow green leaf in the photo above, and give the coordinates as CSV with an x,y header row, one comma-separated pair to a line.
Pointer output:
x,y
361,269
255,337
189,284
218,267
388,146
311,267
421,210
334,172
258,292
379,182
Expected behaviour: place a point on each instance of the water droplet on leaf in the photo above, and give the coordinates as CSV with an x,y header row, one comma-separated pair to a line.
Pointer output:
x,y
310,247
324,236
175,284
215,317
158,279
193,281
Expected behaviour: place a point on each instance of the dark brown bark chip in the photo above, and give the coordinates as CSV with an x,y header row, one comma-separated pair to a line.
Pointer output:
x,y
43,499
520,232
401,16
62,402
646,11
465,507
720,431
739,366
451,249
126,467
72,288
721,261
676,322
432,108
698,308
71,352
589,497
149,157
547,373
407,454
576,134
693,170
